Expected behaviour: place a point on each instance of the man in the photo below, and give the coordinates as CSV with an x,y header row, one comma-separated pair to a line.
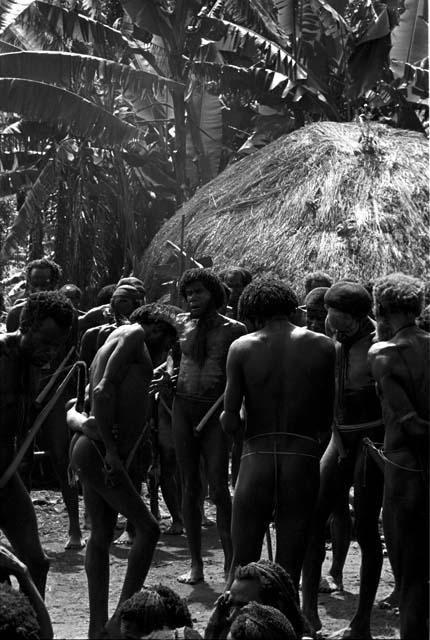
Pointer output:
x,y
401,366
74,294
119,381
45,324
316,313
317,279
286,375
44,275
205,337
236,279
345,463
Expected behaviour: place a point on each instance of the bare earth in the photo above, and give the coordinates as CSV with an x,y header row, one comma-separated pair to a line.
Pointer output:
x,y
67,599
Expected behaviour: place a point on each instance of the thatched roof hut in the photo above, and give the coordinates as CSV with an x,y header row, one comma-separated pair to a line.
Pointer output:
x,y
350,199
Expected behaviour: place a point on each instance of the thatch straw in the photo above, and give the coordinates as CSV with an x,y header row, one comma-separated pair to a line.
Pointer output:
x,y
348,199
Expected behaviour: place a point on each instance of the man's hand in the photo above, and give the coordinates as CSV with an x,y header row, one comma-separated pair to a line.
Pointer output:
x,y
10,563
231,422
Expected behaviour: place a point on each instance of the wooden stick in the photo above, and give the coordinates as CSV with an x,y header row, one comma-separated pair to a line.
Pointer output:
x,y
53,379
208,414
177,249
36,426
135,447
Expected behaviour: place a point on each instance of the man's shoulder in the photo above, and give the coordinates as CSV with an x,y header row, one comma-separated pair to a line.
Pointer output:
x,y
314,339
9,344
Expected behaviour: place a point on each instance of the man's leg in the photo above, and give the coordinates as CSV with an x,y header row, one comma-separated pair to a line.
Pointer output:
x,y
335,479
188,456
252,509
405,516
103,520
56,439
18,521
368,488
168,471
297,492
214,444
340,531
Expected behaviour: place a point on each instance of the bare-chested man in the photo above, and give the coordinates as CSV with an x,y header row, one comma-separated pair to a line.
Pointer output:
x,y
345,462
44,275
119,380
286,376
45,324
205,337
401,366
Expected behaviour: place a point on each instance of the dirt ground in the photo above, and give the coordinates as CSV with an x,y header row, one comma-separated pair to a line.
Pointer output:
x,y
67,599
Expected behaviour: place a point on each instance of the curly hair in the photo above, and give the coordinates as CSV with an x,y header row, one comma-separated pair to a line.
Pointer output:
x,y
398,293
178,614
136,283
276,589
46,304
17,617
349,297
245,274
208,279
44,263
156,313
258,622
322,278
266,298
146,609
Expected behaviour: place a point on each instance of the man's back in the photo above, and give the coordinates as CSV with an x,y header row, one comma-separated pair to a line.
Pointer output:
x,y
289,380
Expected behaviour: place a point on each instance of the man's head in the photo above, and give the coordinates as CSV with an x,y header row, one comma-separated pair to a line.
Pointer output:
x,y
105,294
159,322
265,299
202,290
125,299
258,622
236,279
348,305
177,612
317,279
42,275
269,584
142,614
137,284
45,323
72,292
316,312
398,301
17,618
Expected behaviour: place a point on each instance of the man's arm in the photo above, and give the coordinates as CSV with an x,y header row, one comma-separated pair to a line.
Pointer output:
x,y
392,379
12,320
234,391
326,383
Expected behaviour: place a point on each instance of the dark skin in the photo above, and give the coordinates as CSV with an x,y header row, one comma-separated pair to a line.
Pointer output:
x,y
259,370
360,405
21,356
401,368
54,435
119,383
206,382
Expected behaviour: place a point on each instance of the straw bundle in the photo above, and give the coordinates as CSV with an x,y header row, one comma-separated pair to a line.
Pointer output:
x,y
349,199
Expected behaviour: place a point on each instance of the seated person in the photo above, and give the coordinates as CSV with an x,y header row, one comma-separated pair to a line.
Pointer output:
x,y
23,614
264,582
258,622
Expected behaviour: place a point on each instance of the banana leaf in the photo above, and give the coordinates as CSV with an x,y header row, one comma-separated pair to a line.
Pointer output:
x,y
409,39
82,118
10,10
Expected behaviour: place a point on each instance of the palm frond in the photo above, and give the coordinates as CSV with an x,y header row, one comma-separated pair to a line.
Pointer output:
x,y
13,181
82,118
10,10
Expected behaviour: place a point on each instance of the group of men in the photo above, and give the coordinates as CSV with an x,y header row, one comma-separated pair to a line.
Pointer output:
x,y
307,412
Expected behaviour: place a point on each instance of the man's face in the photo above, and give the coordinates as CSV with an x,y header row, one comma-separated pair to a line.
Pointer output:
x,y
235,283
157,335
315,319
198,298
343,325
40,280
122,306
41,343
242,592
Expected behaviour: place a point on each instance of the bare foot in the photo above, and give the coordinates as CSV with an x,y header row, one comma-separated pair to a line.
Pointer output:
x,y
350,634
313,620
124,540
194,576
175,529
112,629
329,585
75,541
